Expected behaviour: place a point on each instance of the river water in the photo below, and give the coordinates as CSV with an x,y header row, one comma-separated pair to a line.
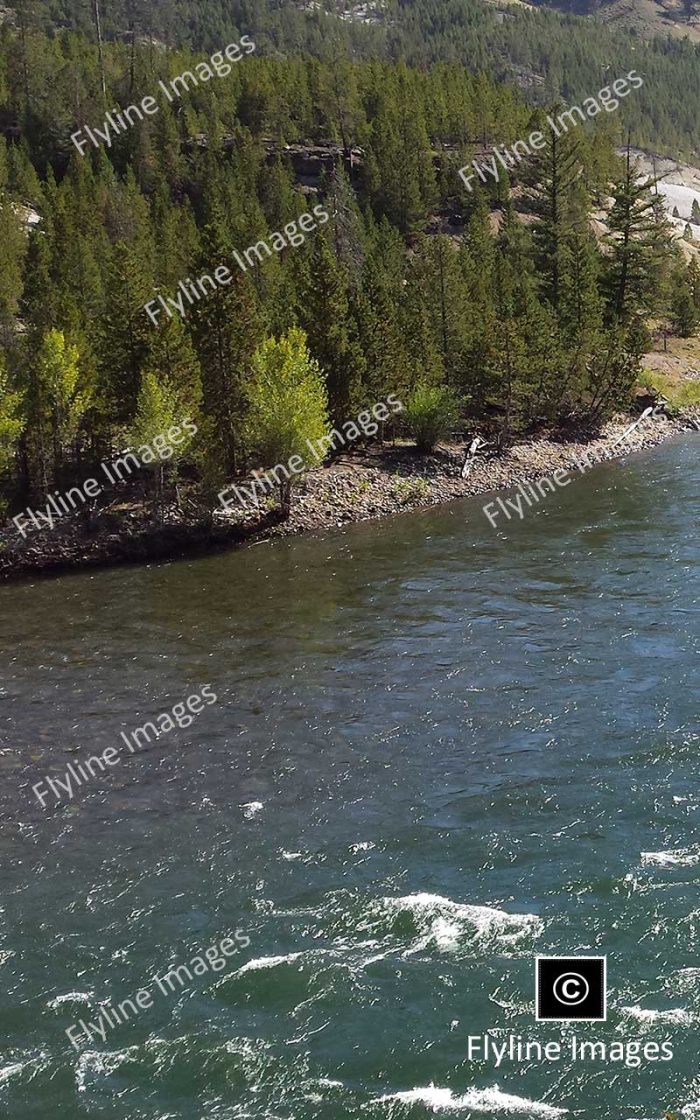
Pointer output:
x,y
438,751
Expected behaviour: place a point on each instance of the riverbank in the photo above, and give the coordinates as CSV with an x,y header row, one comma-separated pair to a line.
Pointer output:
x,y
368,484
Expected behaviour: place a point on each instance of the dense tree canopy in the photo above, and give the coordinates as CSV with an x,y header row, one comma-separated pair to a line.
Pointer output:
x,y
502,295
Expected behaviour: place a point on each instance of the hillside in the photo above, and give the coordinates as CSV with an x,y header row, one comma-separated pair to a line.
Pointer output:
x,y
549,55
649,18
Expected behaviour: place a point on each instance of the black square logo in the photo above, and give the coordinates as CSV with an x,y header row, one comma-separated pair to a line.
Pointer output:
x,y
571,988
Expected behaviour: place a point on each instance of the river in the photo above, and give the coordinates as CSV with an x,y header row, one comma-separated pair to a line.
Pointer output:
x,y
438,751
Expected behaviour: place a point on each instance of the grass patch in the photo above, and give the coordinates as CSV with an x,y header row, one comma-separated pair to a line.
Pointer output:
x,y
681,395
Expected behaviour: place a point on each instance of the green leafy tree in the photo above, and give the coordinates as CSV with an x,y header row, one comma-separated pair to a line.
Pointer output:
x,y
158,412
287,406
12,424
63,399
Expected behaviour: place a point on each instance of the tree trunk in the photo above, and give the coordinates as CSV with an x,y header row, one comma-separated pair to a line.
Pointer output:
x,y
100,53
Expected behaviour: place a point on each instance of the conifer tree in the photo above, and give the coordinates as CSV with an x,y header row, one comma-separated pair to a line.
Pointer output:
x,y
401,158
685,313
172,356
693,278
227,328
508,365
552,176
345,222
581,305
12,251
126,331
436,270
636,245
377,315
324,312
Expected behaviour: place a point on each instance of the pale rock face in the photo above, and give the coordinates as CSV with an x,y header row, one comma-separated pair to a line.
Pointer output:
x,y
680,187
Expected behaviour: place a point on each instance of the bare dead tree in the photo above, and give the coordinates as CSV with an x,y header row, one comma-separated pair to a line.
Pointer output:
x,y
100,52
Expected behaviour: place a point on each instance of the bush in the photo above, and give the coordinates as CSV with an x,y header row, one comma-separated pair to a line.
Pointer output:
x,y
431,413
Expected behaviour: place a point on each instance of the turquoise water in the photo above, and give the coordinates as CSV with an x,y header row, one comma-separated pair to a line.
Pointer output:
x,y
437,752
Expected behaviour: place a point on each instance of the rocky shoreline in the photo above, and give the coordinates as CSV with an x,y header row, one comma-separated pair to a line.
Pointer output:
x,y
362,486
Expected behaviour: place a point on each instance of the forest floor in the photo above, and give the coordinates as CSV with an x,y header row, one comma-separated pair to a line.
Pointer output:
x,y
364,485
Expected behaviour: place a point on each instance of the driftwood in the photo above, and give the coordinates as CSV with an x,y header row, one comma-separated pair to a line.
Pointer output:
x,y
476,445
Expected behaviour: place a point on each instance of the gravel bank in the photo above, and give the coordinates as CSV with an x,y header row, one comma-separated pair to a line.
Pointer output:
x,y
375,484
367,485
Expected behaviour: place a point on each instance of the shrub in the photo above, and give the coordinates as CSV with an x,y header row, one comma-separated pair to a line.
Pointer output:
x,y
431,412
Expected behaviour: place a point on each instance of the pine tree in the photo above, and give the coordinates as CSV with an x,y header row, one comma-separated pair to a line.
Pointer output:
x,y
442,292
581,306
693,278
685,314
126,332
12,250
612,370
637,244
227,327
172,356
552,176
477,262
324,312
508,366
377,314
400,158
345,222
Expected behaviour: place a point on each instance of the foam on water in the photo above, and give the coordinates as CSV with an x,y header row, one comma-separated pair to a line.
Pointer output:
x,y
251,809
478,1100
11,1071
650,1015
681,857
685,980
445,924
267,962
70,997
20,1063
100,1063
